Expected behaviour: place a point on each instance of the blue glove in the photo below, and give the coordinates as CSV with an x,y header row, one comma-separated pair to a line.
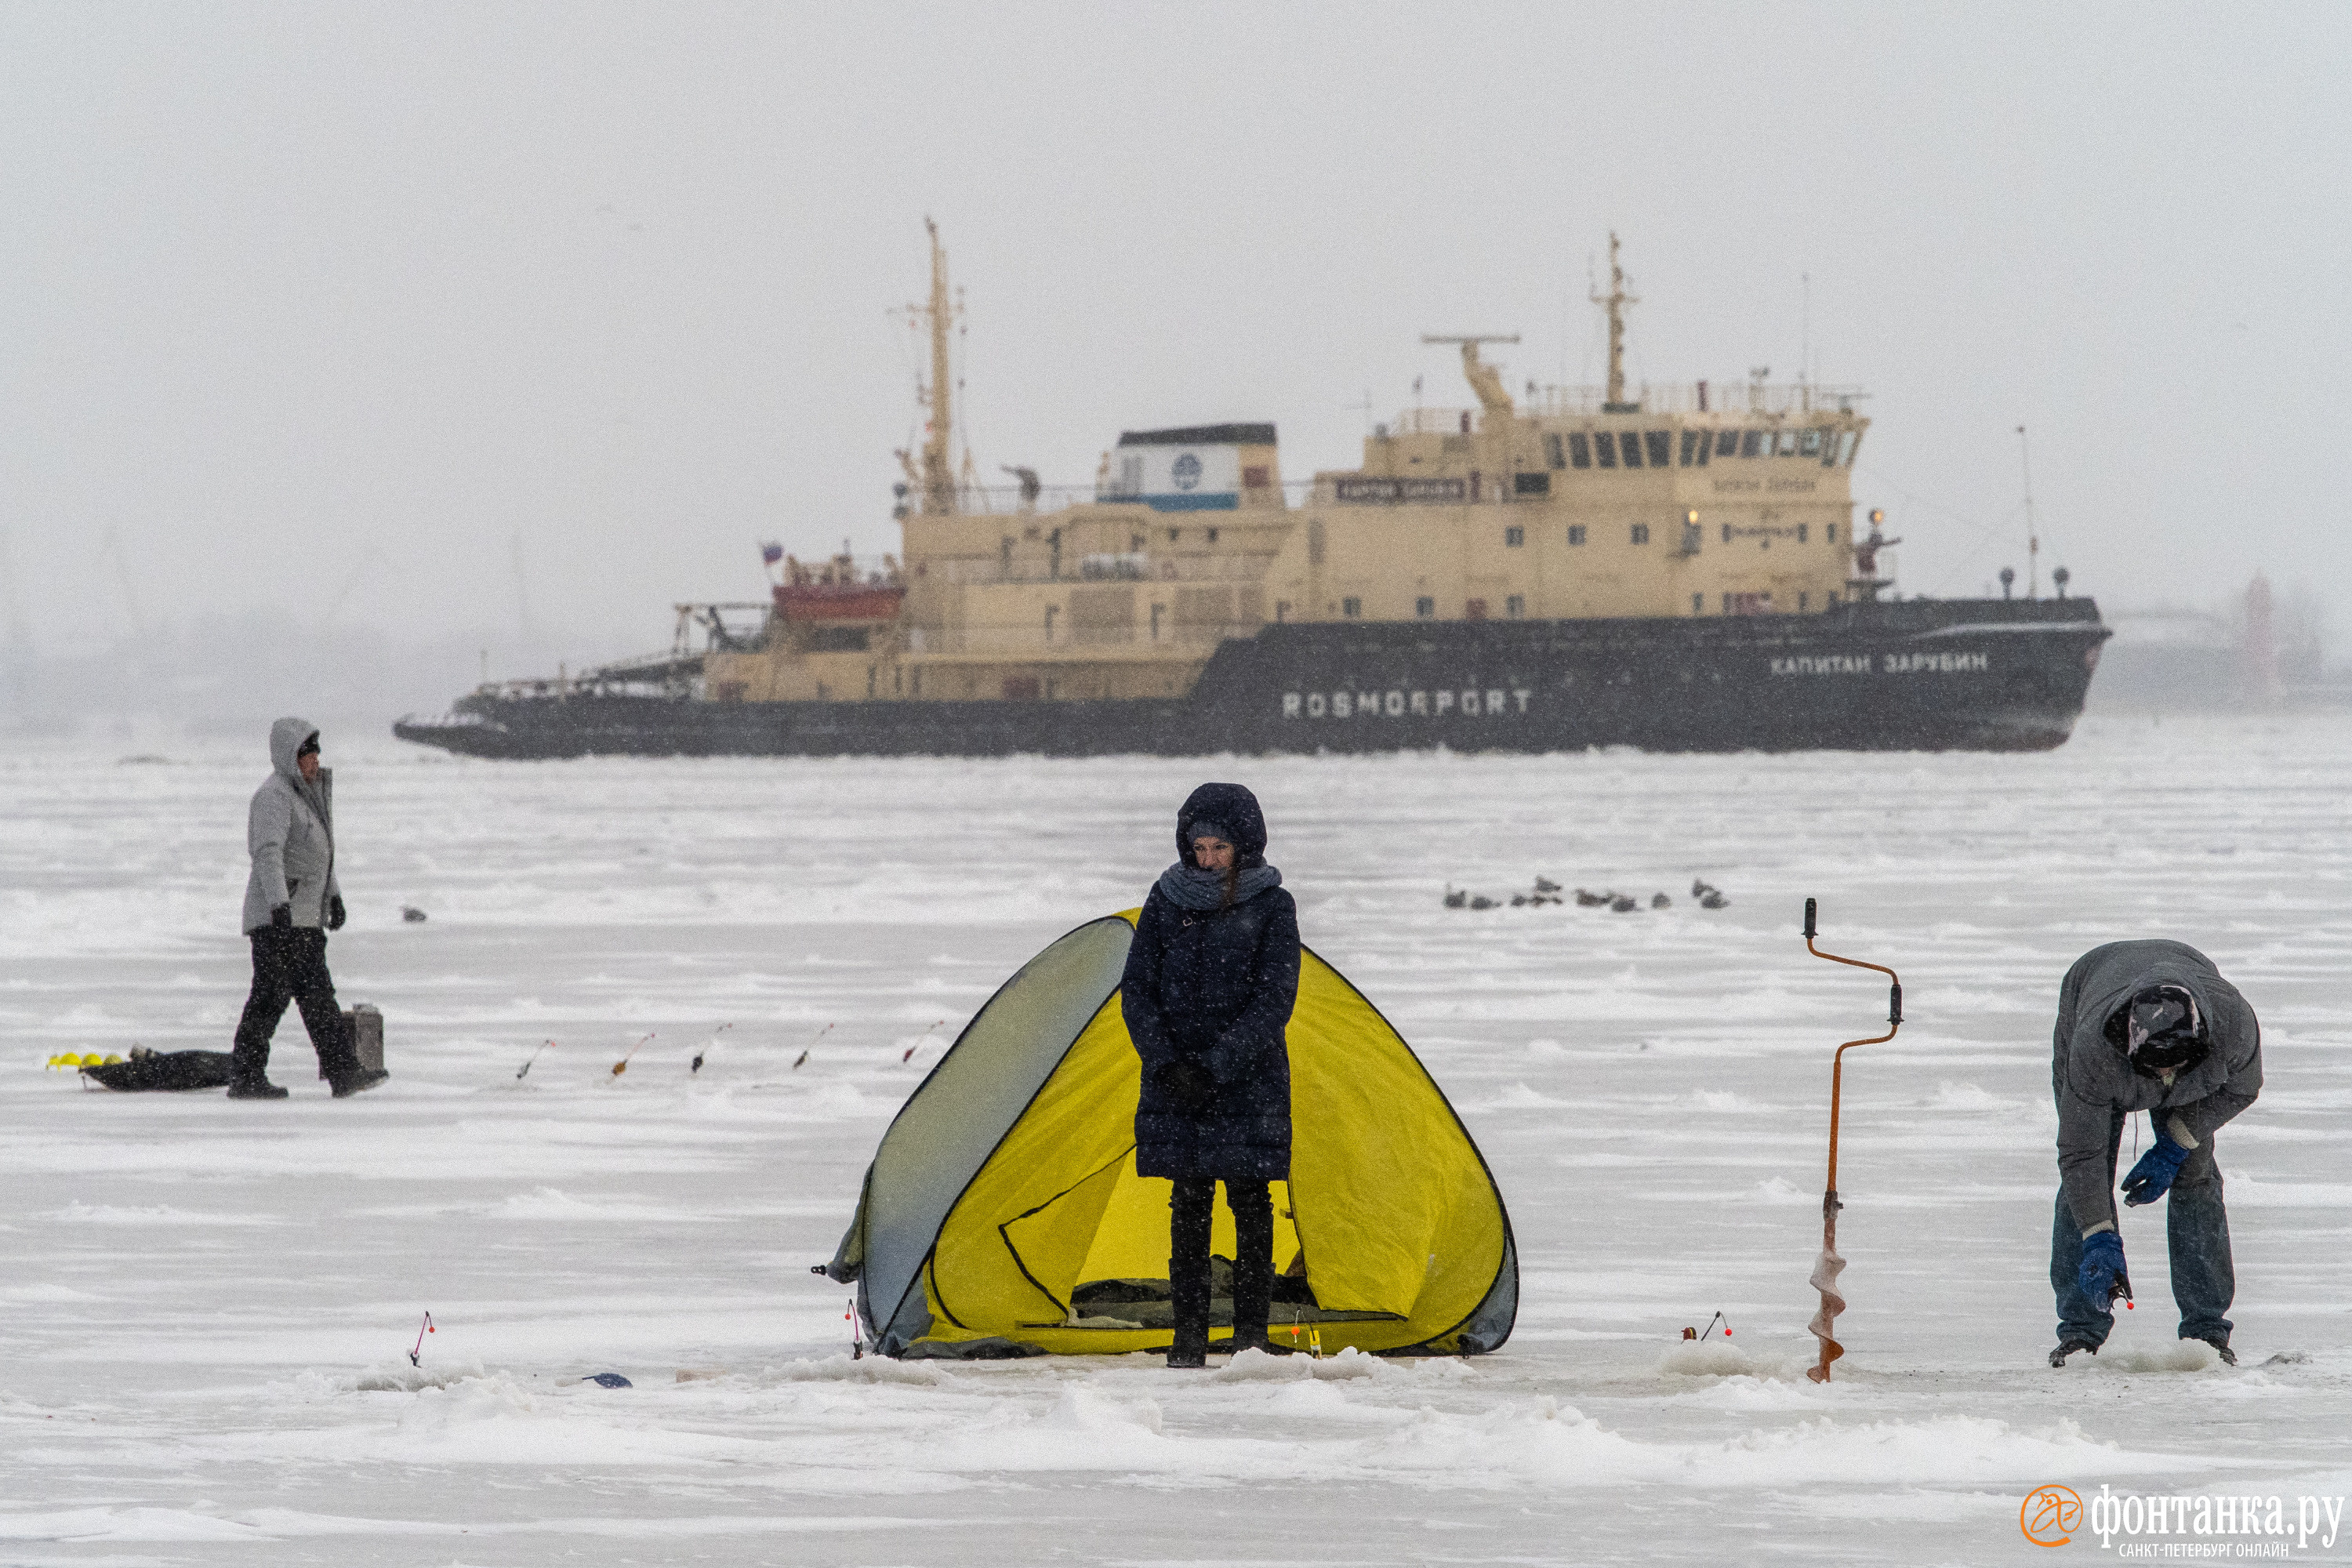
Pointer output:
x,y
2152,1177
2101,1276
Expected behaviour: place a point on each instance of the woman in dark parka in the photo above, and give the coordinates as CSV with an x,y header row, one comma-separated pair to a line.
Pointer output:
x,y
1211,979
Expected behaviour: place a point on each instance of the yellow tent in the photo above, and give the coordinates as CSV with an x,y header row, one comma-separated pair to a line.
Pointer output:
x,y
1002,1213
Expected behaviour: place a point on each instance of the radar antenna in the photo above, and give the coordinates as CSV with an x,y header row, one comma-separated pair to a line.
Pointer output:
x,y
1614,303
1484,381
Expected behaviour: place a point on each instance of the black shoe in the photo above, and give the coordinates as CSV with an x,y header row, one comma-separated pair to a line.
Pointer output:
x,y
1259,1343
1187,1352
356,1082
254,1088
2068,1347
2221,1348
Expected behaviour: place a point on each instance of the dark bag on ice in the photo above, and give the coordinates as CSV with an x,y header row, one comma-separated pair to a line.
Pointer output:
x,y
164,1070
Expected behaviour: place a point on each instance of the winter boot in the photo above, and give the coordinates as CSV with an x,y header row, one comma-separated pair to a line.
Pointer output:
x,y
2221,1348
359,1080
254,1088
1190,1346
2068,1347
1188,1270
1189,1295
1253,1293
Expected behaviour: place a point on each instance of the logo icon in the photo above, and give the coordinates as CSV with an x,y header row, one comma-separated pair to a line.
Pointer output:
x,y
2051,1515
1185,470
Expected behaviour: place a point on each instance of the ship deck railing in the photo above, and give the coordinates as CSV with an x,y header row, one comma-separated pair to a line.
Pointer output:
x,y
1030,641
1731,398
1718,400
1010,500
980,570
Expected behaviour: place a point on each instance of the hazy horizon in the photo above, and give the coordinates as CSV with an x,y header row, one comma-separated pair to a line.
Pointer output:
x,y
438,329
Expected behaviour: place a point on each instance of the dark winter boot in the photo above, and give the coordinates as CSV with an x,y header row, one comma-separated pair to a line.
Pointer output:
x,y
1253,1293
1190,1346
2221,1348
2068,1347
1188,1270
254,1088
1253,1263
359,1080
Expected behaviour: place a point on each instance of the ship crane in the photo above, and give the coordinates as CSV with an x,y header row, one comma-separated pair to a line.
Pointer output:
x,y
1483,379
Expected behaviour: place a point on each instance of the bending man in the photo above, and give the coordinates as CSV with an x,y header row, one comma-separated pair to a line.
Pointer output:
x,y
291,901
2146,1025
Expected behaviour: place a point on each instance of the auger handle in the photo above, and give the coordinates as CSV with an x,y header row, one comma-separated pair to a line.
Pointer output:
x,y
1812,910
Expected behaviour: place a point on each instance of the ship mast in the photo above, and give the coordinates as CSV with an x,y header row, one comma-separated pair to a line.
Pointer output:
x,y
1615,302
937,477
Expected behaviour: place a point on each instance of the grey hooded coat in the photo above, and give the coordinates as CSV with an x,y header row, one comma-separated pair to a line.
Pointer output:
x,y
2091,1078
290,833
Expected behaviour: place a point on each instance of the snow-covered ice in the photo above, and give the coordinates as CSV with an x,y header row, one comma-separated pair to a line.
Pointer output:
x,y
207,1306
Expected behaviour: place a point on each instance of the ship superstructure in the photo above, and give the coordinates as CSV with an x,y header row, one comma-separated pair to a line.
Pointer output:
x,y
1579,503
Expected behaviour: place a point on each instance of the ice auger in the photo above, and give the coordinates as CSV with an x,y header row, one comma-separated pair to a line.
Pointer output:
x,y
1829,1265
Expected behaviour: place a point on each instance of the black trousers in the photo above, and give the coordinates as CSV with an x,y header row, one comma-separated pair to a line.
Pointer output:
x,y
1190,1207
290,964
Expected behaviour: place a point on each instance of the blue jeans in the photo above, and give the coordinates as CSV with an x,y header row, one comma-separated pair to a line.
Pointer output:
x,y
2196,1233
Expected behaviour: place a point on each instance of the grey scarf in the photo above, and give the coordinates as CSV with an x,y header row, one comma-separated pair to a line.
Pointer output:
x,y
1190,887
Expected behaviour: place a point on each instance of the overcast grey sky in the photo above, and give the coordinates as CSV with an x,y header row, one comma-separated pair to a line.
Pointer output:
x,y
368,315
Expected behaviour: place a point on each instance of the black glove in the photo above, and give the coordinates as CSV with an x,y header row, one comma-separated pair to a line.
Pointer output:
x,y
1187,1085
281,916
335,912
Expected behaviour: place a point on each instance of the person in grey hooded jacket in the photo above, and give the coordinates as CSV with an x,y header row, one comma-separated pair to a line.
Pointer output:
x,y
2146,1025
291,901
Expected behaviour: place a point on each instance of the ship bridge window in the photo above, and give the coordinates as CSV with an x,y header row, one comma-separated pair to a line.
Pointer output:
x,y
1576,534
1751,443
1810,446
1553,456
1531,484
1629,444
1579,450
1604,447
1690,446
1847,442
1785,444
1661,445
1726,443
1424,607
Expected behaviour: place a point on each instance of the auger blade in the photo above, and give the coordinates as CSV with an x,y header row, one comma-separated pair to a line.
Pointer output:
x,y
1826,1269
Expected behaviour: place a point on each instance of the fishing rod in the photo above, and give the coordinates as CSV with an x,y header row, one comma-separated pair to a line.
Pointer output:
x,y
623,1065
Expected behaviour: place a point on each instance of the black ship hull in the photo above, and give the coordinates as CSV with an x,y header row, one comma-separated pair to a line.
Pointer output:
x,y
1917,675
